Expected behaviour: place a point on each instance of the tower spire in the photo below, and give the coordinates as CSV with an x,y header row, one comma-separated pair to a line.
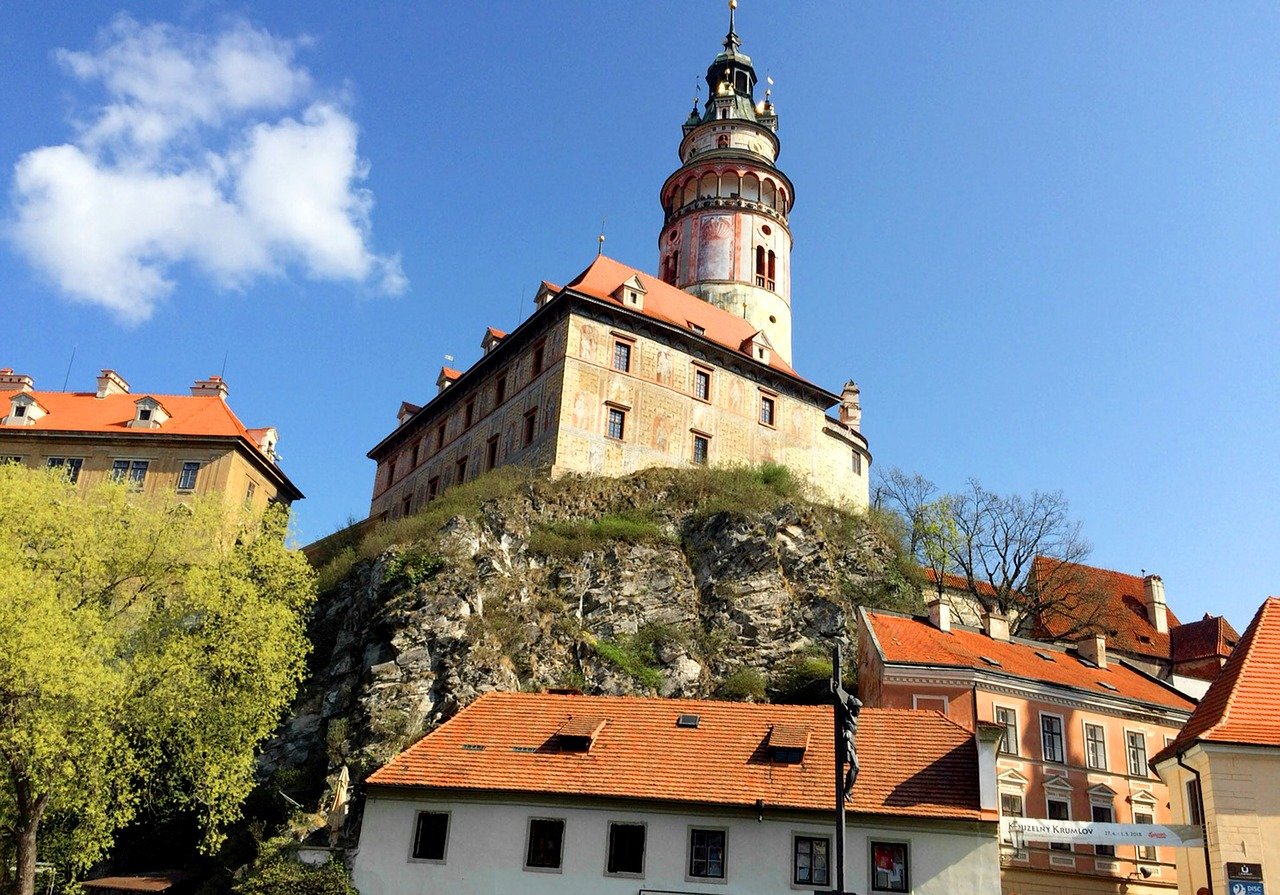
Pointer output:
x,y
731,41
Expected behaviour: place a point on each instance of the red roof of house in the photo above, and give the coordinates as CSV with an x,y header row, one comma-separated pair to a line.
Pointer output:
x,y
904,640
666,303
504,742
1242,704
959,582
1123,615
449,373
1210,637
496,333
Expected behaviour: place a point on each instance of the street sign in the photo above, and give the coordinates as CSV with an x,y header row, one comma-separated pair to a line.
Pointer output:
x,y
1244,879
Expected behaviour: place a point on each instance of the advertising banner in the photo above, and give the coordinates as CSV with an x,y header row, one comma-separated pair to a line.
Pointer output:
x,y
1083,832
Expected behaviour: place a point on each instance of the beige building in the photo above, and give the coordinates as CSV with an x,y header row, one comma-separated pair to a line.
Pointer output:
x,y
160,444
619,371
1223,769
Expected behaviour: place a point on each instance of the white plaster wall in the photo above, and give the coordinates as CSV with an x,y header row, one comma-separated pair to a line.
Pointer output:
x,y
486,843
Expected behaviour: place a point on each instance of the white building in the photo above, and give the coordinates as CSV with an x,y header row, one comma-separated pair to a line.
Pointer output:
x,y
532,793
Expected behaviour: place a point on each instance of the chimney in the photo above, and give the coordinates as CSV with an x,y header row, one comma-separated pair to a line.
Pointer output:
x,y
213,387
996,625
987,738
15,382
1094,649
851,406
1153,597
940,614
111,383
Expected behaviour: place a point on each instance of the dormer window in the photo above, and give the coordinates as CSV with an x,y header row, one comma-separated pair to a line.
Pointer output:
x,y
148,413
24,410
631,293
787,743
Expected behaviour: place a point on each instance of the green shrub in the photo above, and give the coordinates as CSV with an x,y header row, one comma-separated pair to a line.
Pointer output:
x,y
413,567
335,570
622,653
741,490
743,685
282,875
803,678
570,540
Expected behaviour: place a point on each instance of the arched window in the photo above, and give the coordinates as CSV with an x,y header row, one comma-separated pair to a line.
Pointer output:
x,y
728,184
773,268
722,141
768,193
690,191
675,267
760,261
707,186
751,188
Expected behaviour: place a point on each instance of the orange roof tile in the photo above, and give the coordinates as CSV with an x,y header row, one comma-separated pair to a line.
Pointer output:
x,y
1210,637
500,743
1123,616
496,333
666,303
1242,704
904,640
959,582
449,373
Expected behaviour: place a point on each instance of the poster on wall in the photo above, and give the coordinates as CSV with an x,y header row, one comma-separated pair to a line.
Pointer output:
x,y
889,867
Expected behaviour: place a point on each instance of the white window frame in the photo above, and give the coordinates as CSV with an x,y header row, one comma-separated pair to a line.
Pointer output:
x,y
413,836
916,697
1128,759
688,855
1007,748
1149,810
1088,762
1062,733
1060,793
1101,860
528,840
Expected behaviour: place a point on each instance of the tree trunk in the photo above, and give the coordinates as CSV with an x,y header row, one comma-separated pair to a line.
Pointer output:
x,y
30,813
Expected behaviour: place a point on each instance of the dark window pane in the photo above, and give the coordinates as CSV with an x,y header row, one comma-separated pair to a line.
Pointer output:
x,y
626,848
187,479
811,861
431,835
545,838
706,854
1102,815
1059,810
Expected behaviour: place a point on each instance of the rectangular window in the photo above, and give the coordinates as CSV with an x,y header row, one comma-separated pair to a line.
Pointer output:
x,y
706,854
1051,739
857,463
537,359
249,491
468,414
1095,746
889,871
433,487
19,410
491,453
69,465
617,423
1011,805
406,505
1195,803
1008,719
119,469
430,836
702,385
701,448
626,849
135,471
766,410
810,865
1059,809
413,457
440,437
622,357
187,478
1145,852
500,390
530,426
461,468
546,839
144,415
1137,743
1102,814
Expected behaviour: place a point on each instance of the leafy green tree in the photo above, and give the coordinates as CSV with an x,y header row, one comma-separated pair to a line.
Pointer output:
x,y
148,647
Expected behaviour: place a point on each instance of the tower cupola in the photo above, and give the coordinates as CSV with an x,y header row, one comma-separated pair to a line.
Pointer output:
x,y
725,235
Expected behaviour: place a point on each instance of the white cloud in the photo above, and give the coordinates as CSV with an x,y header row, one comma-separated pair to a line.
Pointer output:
x,y
210,151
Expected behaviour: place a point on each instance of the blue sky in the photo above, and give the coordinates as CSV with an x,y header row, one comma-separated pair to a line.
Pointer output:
x,y
1042,238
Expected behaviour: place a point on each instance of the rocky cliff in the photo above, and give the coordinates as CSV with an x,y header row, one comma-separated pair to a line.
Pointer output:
x,y
678,583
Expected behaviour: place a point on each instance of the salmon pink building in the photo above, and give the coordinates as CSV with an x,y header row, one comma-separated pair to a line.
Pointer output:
x,y
1078,728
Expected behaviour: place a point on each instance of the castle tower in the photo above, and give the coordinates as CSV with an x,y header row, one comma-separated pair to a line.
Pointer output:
x,y
724,235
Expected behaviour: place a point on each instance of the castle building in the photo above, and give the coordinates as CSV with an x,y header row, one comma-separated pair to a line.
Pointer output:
x,y
620,371
158,443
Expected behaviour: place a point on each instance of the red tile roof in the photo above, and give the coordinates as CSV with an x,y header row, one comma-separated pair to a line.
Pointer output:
x,y
1210,637
666,303
501,743
904,640
1123,616
958,582
195,415
1242,704
496,333
449,373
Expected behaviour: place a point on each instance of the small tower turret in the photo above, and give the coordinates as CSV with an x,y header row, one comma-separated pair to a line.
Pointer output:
x,y
725,235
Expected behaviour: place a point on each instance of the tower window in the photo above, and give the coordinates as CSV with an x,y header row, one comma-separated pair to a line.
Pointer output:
x,y
617,423
622,357
701,448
